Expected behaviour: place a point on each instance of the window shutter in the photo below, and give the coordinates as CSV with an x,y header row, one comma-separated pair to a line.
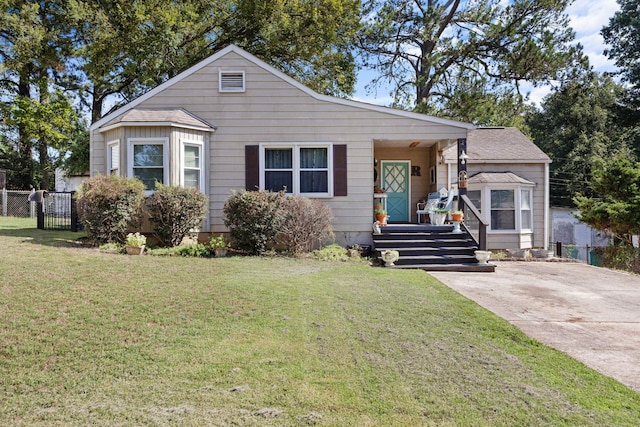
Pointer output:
x,y
252,167
339,170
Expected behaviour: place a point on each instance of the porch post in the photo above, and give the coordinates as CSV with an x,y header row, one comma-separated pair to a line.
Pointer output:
x,y
462,170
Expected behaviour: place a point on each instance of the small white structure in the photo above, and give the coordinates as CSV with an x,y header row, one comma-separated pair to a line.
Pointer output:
x,y
68,183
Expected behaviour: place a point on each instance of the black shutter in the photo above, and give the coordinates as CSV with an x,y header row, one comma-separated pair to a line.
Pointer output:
x,y
252,167
339,170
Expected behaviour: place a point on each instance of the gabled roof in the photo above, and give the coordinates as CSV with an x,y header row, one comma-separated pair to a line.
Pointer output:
x,y
498,178
158,117
498,145
283,76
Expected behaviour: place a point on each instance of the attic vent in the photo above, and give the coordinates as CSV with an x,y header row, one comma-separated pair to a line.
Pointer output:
x,y
231,81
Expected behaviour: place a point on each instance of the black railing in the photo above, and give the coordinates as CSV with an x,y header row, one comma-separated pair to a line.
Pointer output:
x,y
57,211
474,223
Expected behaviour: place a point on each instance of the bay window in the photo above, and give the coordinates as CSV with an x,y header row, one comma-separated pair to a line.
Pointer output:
x,y
192,167
503,210
148,161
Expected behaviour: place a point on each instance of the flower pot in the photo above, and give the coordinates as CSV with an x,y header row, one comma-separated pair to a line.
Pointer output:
x,y
482,256
134,250
220,252
381,218
457,217
438,218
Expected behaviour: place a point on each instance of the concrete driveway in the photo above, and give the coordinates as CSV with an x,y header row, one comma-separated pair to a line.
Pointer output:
x,y
590,313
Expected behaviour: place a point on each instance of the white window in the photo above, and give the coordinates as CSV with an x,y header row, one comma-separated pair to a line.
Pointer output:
x,y
148,161
113,158
503,210
192,166
231,81
302,169
525,210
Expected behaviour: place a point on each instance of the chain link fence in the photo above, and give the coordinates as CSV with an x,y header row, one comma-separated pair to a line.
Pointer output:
x,y
16,203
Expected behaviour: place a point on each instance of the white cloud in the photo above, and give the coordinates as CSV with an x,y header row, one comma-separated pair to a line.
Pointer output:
x,y
587,19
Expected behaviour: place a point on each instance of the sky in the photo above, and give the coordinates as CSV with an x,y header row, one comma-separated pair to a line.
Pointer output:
x,y
587,19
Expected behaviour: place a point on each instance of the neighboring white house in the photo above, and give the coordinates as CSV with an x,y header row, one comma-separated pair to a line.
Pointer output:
x,y
233,122
68,183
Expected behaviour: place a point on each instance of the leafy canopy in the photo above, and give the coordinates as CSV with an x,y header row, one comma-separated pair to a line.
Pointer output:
x,y
617,207
434,52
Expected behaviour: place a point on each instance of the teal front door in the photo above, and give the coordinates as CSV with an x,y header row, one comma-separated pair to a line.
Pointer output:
x,y
395,181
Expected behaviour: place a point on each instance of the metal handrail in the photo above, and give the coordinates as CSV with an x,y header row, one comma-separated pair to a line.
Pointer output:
x,y
474,223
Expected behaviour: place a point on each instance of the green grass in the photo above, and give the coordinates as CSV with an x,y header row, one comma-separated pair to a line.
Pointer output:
x,y
90,338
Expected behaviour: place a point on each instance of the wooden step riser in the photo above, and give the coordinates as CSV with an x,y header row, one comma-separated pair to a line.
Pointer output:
x,y
433,252
388,244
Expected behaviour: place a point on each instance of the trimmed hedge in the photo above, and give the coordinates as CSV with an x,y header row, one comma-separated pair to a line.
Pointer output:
x,y
175,212
109,206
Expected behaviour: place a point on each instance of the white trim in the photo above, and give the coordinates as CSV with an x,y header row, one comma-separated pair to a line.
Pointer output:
x,y
545,244
295,147
110,145
408,162
165,156
200,144
283,76
232,89
485,201
159,124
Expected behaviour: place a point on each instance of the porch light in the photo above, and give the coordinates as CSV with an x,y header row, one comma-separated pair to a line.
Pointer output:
x,y
463,157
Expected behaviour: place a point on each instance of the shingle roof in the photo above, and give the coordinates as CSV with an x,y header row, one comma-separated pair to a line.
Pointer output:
x,y
498,145
150,116
498,178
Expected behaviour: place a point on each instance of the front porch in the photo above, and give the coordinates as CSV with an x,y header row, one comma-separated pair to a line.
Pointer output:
x,y
430,247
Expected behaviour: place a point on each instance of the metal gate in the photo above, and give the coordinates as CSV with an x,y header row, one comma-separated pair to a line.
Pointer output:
x,y
57,211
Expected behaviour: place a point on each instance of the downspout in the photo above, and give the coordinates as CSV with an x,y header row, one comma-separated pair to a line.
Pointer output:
x,y
545,244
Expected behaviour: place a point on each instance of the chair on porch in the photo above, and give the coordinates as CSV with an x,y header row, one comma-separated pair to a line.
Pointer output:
x,y
438,213
423,208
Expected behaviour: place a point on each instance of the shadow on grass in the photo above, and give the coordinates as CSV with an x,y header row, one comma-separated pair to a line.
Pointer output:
x,y
26,229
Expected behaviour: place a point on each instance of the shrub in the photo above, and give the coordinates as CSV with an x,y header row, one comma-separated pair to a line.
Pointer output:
x,y
194,250
175,212
108,206
622,257
254,218
306,224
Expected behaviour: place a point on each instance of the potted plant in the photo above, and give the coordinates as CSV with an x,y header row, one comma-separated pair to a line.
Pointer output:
x,y
457,216
438,216
389,257
219,245
380,213
135,243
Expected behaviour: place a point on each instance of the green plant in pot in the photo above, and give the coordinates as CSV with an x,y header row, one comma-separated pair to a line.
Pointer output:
x,y
381,214
135,243
219,245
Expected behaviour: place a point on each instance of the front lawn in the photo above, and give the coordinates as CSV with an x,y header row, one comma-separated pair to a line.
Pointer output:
x,y
90,338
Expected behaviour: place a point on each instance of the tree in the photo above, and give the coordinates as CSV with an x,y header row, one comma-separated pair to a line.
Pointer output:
x,y
34,47
617,205
623,35
430,50
577,127
126,48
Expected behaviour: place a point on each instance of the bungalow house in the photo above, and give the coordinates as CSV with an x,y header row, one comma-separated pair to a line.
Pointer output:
x,y
234,122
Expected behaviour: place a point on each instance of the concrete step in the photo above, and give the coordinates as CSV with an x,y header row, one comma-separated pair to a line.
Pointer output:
x,y
462,267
